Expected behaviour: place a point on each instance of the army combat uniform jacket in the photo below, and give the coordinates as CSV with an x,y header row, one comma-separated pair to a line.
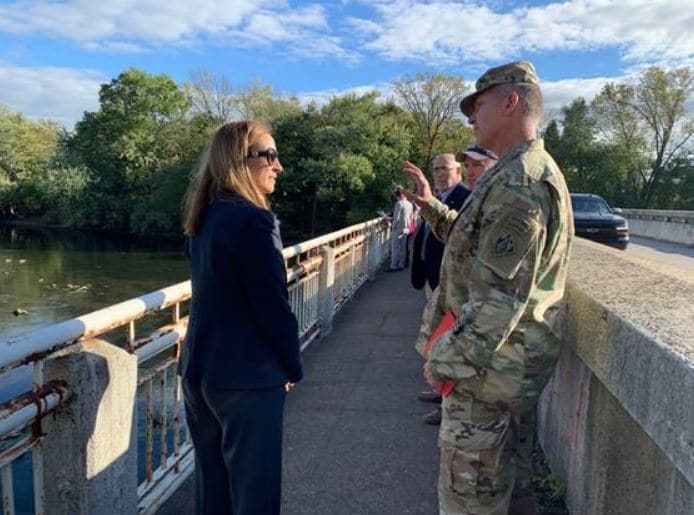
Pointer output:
x,y
502,275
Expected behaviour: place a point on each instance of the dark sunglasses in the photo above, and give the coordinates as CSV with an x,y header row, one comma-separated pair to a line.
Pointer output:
x,y
270,154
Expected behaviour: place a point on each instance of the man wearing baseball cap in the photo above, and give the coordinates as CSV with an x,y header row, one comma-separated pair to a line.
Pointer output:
x,y
502,277
476,161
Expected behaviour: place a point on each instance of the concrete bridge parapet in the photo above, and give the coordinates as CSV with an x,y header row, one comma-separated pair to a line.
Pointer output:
x,y
617,419
666,225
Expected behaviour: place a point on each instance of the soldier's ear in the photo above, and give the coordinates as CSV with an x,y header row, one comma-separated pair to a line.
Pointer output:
x,y
512,102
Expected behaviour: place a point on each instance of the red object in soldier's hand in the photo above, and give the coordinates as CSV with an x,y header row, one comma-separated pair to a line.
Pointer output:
x,y
435,385
445,388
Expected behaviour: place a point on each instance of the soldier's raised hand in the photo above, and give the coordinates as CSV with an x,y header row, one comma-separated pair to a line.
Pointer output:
x,y
423,192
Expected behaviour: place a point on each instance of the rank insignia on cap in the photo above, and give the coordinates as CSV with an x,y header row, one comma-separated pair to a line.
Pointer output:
x,y
504,245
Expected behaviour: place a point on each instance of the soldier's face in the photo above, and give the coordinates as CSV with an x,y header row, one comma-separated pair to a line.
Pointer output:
x,y
486,118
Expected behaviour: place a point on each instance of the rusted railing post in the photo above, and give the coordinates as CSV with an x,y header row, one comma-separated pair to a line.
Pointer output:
x,y
90,447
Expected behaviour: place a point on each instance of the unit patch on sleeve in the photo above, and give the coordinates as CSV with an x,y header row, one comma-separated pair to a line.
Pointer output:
x,y
504,245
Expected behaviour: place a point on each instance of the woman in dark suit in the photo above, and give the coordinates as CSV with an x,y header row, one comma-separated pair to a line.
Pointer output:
x,y
241,353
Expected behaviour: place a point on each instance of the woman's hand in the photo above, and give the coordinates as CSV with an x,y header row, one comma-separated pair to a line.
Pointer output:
x,y
288,386
423,191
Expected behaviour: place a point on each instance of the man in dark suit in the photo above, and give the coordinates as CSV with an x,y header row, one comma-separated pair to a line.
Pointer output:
x,y
428,251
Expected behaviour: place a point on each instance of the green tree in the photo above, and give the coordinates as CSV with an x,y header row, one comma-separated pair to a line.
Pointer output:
x,y
433,103
677,191
26,147
578,143
140,127
160,211
65,184
260,102
589,162
211,95
647,118
552,139
342,163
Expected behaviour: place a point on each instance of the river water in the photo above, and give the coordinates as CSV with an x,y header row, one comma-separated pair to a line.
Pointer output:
x,y
54,275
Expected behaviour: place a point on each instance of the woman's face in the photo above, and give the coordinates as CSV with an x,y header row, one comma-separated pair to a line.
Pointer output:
x,y
264,164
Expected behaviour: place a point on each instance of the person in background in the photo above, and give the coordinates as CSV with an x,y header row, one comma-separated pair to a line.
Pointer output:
x,y
476,161
502,278
412,228
400,229
241,352
428,250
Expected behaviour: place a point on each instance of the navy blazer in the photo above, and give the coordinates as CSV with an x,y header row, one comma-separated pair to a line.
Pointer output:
x,y
429,269
242,333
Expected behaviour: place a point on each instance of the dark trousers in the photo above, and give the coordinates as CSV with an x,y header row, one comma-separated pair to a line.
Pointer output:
x,y
237,436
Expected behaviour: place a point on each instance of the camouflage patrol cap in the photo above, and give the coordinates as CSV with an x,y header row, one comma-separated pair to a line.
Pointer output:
x,y
519,72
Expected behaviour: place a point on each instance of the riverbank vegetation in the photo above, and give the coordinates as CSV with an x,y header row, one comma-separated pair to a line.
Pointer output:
x,y
126,166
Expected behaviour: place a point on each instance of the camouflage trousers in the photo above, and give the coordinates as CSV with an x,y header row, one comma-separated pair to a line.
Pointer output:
x,y
485,457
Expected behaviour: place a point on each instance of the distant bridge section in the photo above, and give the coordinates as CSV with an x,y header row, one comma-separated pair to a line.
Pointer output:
x,y
674,226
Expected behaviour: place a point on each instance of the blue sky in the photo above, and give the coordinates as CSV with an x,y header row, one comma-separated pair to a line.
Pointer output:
x,y
54,54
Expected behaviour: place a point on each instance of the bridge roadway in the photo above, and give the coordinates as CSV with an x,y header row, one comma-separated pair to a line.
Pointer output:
x,y
662,252
354,439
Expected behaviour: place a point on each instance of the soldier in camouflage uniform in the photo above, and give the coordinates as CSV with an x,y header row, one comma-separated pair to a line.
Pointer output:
x,y
502,276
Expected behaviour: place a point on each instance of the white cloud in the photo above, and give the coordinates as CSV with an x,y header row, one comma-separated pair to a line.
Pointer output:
x,y
140,26
63,94
60,94
557,94
323,97
150,20
643,30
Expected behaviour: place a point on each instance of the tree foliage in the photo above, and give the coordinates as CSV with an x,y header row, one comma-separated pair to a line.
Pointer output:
x,y
259,101
432,102
127,165
211,94
647,119
26,148
341,162
632,144
141,127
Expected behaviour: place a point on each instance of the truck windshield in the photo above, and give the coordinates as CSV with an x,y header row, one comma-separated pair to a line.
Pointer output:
x,y
590,205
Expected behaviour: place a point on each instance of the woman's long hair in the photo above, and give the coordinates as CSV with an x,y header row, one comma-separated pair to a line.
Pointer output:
x,y
224,167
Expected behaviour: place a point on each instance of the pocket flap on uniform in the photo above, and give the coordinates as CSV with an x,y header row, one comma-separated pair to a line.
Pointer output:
x,y
505,247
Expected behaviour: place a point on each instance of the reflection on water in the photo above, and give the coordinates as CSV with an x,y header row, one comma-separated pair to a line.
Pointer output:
x,y
55,275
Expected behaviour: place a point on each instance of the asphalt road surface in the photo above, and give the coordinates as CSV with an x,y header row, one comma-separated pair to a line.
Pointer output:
x,y
662,252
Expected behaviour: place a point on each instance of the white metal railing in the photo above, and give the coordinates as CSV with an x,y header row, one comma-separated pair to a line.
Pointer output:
x,y
322,274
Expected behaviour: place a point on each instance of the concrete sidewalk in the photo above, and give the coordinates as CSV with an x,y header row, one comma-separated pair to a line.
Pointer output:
x,y
355,442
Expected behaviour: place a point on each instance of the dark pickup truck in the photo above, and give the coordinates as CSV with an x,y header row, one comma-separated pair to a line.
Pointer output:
x,y
596,220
